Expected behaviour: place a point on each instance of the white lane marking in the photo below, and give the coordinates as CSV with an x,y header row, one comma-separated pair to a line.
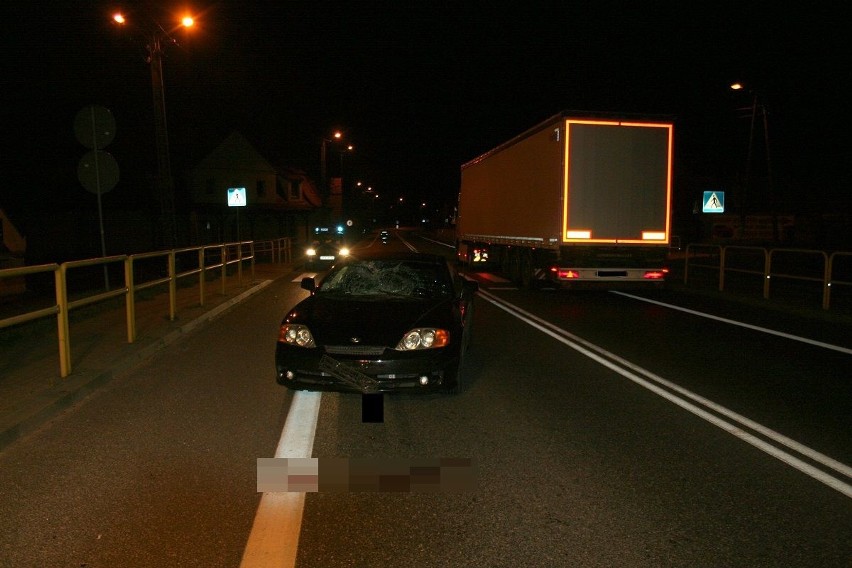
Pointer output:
x,y
739,323
274,537
588,349
442,243
410,246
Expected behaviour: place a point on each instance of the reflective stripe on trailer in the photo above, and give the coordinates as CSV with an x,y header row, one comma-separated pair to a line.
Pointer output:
x,y
610,274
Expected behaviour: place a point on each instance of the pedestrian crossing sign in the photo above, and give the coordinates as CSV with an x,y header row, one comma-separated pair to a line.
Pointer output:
x,y
714,202
236,197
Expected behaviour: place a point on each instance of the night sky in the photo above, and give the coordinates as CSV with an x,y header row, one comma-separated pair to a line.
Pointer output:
x,y
420,88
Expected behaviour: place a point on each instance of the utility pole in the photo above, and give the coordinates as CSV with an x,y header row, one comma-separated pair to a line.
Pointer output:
x,y
164,182
773,205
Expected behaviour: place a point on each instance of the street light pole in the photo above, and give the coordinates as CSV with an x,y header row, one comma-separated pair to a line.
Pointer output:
x,y
324,189
755,105
323,182
769,182
749,155
165,183
343,196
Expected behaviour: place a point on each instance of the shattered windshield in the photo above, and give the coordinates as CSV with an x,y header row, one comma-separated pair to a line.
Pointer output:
x,y
400,279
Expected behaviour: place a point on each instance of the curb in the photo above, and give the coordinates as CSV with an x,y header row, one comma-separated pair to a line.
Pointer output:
x,y
88,387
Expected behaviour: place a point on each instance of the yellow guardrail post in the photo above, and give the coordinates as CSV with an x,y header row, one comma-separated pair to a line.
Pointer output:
x,y
826,284
201,276
130,299
172,287
240,263
224,254
62,319
767,272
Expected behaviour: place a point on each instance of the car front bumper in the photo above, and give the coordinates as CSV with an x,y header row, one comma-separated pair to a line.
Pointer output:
x,y
313,369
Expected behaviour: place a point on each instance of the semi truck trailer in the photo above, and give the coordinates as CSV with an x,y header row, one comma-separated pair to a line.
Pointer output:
x,y
579,199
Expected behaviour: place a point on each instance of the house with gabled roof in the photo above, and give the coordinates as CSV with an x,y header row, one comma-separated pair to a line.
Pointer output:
x,y
280,201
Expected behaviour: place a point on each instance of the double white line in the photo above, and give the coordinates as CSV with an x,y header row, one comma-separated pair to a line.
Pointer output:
x,y
743,428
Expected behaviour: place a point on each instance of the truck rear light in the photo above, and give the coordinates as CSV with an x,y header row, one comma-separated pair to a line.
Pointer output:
x,y
568,274
655,274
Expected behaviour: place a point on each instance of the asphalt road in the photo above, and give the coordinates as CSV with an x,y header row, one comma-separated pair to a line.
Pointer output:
x,y
604,429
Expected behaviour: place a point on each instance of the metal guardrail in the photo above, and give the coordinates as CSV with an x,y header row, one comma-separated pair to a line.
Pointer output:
x,y
279,250
802,265
204,259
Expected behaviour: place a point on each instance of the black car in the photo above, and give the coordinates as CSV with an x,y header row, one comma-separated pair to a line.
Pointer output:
x,y
323,253
379,322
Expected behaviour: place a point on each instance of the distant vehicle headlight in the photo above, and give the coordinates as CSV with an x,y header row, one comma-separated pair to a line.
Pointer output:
x,y
344,251
296,334
424,338
311,252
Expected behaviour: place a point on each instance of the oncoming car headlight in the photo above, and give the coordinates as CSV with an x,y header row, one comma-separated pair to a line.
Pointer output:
x,y
311,252
424,338
296,334
344,251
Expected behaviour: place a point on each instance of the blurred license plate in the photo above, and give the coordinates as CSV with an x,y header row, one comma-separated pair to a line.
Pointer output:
x,y
326,257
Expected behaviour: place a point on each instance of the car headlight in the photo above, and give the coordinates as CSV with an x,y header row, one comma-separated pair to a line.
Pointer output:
x,y
344,251
424,338
311,252
296,334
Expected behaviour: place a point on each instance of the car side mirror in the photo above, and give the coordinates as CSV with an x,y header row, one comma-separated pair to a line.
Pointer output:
x,y
309,284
